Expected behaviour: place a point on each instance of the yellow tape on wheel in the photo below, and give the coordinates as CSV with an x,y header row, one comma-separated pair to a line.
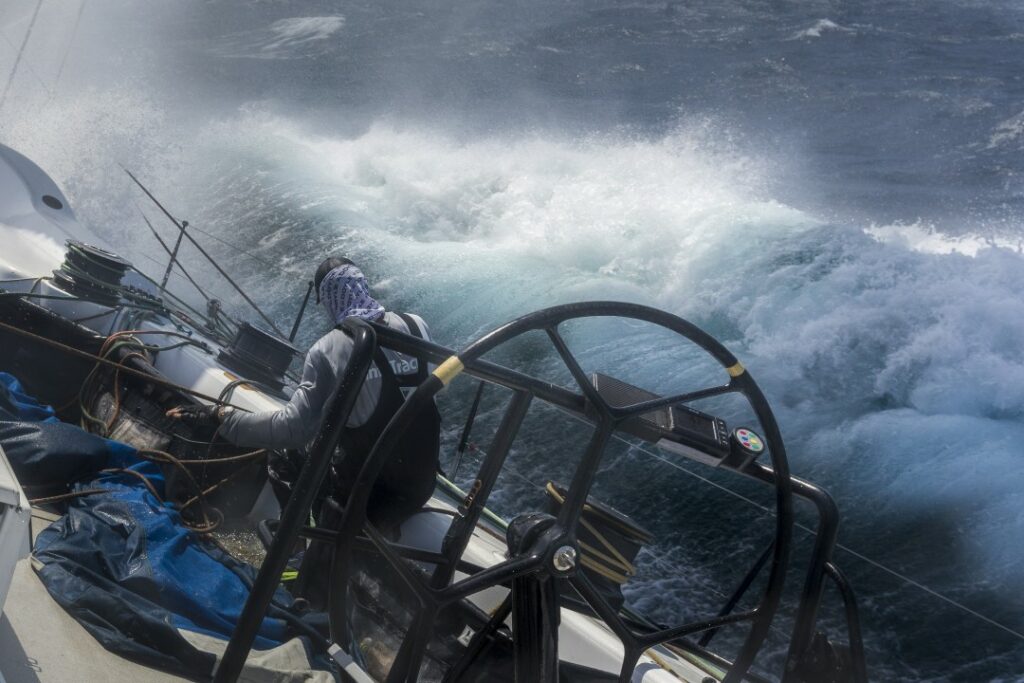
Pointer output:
x,y
447,370
736,370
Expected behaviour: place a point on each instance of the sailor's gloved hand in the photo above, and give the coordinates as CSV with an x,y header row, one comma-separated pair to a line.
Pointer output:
x,y
197,415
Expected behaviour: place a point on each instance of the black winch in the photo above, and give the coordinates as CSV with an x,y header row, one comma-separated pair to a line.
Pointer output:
x,y
259,356
91,273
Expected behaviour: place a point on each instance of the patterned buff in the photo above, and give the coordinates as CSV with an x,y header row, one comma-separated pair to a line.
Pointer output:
x,y
345,293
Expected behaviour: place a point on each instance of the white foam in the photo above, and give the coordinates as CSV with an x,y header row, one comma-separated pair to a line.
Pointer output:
x,y
873,345
899,334
1009,131
290,38
819,27
926,239
301,30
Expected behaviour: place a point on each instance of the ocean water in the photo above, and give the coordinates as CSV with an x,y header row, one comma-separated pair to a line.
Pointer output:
x,y
834,190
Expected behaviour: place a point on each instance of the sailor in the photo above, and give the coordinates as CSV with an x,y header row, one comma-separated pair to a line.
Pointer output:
x,y
407,482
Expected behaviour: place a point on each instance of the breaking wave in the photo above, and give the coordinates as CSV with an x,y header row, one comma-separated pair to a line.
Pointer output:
x,y
891,353
893,345
291,38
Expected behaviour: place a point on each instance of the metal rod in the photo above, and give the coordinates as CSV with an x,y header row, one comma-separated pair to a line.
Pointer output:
x,y
741,589
182,302
713,658
362,543
605,611
173,255
302,311
583,478
237,248
406,667
492,576
535,618
582,380
665,635
482,369
857,659
470,419
814,583
202,251
300,503
479,642
461,530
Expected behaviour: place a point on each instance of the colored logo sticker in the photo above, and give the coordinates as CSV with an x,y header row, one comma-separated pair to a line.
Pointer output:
x,y
750,440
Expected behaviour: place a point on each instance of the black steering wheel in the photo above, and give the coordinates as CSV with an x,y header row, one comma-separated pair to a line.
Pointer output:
x,y
549,552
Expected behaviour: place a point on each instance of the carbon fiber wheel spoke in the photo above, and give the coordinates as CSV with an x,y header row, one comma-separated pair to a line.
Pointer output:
x,y
577,372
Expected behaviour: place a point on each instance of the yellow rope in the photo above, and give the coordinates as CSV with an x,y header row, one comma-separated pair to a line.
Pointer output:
x,y
592,555
661,662
601,569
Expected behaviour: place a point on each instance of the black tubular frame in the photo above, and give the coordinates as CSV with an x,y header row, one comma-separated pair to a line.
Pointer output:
x,y
301,502
533,562
820,565
537,559
858,662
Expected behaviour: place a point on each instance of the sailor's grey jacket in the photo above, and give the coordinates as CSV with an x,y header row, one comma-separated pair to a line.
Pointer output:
x,y
297,423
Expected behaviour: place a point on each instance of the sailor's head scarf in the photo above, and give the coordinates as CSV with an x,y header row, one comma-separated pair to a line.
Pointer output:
x,y
345,293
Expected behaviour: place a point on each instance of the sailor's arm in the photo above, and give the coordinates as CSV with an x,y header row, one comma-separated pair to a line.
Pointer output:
x,y
295,425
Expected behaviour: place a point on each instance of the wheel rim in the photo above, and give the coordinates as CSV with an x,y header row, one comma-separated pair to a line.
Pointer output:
x,y
435,595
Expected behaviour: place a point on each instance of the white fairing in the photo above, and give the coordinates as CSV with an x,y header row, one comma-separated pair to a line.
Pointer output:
x,y
35,222
32,233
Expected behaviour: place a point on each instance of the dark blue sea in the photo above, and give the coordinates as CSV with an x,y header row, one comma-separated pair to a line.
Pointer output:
x,y
833,189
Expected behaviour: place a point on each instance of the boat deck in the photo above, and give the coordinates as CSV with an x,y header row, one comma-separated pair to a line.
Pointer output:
x,y
40,642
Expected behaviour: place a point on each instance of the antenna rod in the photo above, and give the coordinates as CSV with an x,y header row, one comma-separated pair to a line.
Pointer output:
x,y
171,254
202,251
302,311
184,273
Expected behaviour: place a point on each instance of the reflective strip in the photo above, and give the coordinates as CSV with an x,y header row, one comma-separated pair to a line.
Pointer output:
x,y
736,370
348,664
447,370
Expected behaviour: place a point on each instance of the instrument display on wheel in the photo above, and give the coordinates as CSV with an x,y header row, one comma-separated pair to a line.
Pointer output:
x,y
682,429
